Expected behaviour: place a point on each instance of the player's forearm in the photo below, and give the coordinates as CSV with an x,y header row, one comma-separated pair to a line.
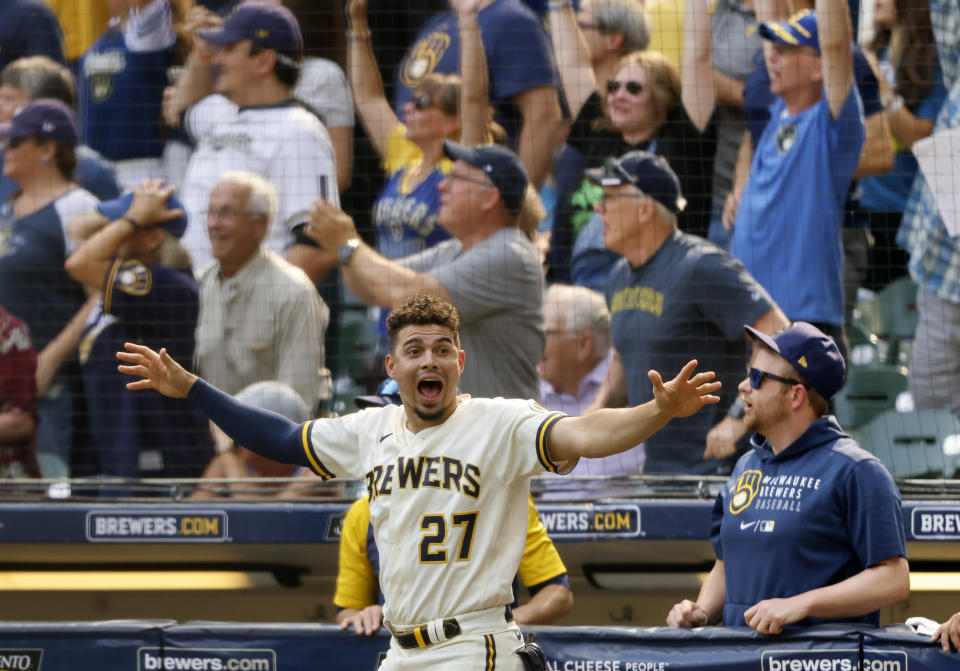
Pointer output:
x,y
267,433
873,588
545,607
621,428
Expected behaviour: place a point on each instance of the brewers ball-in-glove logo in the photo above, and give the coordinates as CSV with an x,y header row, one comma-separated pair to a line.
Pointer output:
x,y
786,136
134,278
100,68
748,484
424,58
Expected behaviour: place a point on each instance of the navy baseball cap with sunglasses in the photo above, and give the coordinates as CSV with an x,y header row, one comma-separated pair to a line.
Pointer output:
x,y
811,352
387,394
499,164
266,24
648,172
43,117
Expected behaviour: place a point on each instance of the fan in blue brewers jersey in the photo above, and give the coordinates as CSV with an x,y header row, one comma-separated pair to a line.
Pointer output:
x,y
808,528
39,154
447,476
129,248
122,77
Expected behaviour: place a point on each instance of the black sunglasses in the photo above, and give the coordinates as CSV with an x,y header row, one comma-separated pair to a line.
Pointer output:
x,y
422,101
14,142
756,378
633,88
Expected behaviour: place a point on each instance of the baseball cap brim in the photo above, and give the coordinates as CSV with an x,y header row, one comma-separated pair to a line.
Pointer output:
x,y
459,152
6,130
219,36
603,177
116,208
762,337
376,401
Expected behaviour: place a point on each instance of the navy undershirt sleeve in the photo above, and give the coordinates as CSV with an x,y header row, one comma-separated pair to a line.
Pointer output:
x,y
262,431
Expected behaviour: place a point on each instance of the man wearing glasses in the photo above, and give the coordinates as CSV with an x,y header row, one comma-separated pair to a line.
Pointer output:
x,y
673,293
808,529
489,270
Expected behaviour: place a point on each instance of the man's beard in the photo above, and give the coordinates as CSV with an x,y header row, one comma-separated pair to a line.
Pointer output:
x,y
429,416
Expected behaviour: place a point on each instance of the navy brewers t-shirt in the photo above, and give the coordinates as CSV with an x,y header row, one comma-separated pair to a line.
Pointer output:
x,y
690,300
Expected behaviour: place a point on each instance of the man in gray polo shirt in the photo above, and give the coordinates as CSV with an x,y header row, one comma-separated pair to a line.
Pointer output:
x,y
490,269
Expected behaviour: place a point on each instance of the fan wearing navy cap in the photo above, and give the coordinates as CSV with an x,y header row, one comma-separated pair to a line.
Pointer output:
x,y
808,529
40,156
671,294
489,270
130,250
247,118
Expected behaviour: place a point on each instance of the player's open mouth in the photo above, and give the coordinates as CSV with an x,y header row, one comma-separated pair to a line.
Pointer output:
x,y
430,390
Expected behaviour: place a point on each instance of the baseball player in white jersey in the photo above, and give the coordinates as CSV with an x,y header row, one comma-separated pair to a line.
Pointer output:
x,y
447,477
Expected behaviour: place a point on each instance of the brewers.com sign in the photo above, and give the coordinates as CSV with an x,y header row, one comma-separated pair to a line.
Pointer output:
x,y
157,527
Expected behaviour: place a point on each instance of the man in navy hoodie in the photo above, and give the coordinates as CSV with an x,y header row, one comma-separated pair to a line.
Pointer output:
x,y
808,529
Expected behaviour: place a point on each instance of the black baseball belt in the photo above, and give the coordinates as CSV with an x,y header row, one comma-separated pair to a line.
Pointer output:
x,y
419,636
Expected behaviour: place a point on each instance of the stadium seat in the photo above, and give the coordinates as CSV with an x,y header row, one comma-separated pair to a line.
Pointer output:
x,y
869,391
919,444
892,316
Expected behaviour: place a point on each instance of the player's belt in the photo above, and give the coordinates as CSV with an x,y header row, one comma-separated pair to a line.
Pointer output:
x,y
419,637
437,631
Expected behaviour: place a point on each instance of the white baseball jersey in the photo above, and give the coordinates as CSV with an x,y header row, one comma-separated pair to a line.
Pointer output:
x,y
284,143
448,504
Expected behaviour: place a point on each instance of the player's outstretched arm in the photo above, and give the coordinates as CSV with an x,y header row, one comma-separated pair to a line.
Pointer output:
x,y
949,633
267,433
611,431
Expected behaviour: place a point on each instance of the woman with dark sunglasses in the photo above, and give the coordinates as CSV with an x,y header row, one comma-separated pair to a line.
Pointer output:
x,y
640,104
40,156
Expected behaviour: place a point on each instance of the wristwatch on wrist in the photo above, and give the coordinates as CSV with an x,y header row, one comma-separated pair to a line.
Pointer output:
x,y
347,250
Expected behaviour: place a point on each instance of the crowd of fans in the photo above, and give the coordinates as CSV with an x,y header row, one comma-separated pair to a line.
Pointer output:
x,y
495,166
600,187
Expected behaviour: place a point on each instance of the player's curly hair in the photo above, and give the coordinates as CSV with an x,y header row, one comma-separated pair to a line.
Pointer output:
x,y
420,310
